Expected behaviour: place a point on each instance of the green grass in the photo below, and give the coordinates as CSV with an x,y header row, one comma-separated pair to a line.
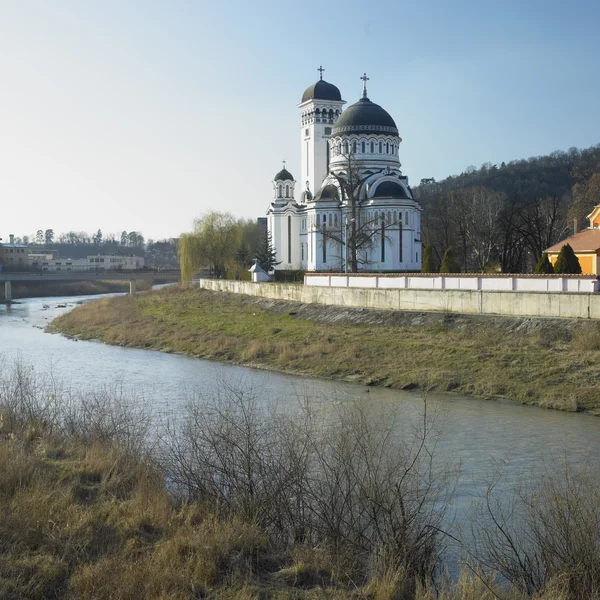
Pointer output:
x,y
555,367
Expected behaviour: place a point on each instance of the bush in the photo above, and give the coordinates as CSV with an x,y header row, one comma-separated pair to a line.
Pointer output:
x,y
544,266
448,264
567,262
288,276
428,264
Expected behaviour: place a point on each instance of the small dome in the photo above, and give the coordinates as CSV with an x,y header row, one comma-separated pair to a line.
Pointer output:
x,y
328,192
322,91
365,117
390,189
283,175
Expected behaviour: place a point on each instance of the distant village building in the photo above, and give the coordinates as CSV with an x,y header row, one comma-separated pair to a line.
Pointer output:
x,y
100,262
14,256
309,227
585,244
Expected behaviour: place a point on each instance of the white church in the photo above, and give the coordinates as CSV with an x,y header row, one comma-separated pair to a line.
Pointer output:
x,y
354,201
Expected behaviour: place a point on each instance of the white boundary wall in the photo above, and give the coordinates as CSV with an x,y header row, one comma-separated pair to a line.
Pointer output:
x,y
581,305
492,283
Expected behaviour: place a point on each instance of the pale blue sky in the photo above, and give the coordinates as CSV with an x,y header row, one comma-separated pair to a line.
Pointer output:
x,y
126,114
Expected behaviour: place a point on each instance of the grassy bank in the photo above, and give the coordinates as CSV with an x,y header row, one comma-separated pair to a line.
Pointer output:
x,y
43,289
551,363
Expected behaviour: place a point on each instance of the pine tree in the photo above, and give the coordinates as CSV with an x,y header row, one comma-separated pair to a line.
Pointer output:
x,y
544,266
448,265
428,264
265,253
567,263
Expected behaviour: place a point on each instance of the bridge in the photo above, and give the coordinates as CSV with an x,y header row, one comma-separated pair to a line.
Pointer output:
x,y
169,275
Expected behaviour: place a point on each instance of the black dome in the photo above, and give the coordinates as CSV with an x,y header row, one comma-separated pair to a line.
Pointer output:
x,y
365,117
322,91
390,189
329,192
283,175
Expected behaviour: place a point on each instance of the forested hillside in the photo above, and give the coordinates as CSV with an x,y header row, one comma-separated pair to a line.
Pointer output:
x,y
504,216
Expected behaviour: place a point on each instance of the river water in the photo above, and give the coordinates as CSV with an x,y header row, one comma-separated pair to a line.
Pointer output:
x,y
477,434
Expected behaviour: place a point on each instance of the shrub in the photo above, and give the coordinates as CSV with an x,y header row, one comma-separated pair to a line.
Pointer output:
x,y
567,262
448,264
544,266
428,264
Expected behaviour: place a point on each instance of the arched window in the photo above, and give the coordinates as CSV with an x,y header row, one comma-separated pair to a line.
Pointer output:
x,y
287,191
318,220
331,114
387,148
280,191
345,147
389,219
406,218
380,147
335,220
339,148
354,146
372,147
330,217
362,147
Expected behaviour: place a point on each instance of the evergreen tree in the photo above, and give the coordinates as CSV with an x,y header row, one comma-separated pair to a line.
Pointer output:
x,y
567,262
448,265
265,253
544,266
428,264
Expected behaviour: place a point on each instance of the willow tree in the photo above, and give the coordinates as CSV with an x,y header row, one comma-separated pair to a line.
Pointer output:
x,y
212,245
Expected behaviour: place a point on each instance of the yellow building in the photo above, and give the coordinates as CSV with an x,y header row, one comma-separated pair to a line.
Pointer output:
x,y
585,244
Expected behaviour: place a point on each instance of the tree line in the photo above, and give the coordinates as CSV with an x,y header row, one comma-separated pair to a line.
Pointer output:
x,y
47,237
502,218
225,246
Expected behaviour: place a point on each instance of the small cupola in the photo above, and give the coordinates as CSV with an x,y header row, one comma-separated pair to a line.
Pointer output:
x,y
283,184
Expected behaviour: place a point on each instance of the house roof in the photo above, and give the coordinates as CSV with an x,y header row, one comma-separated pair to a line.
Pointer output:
x,y
587,240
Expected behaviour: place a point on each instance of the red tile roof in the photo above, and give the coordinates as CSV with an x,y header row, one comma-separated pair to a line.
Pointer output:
x,y
587,240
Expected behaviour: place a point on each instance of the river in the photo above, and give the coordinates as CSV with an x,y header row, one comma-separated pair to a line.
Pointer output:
x,y
476,433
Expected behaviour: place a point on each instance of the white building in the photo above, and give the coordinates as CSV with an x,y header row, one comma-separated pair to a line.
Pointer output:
x,y
100,262
353,189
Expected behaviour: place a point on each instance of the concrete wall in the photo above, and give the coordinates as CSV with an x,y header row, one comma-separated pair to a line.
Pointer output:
x,y
536,304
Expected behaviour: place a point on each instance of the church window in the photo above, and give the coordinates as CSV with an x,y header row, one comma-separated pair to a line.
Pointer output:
x,y
362,147
372,147
302,251
335,220
287,191
324,242
330,217
289,238
345,147
339,148
327,130
280,191
389,219
387,148
318,220
395,217
354,146
306,132
406,218
380,147
382,239
400,242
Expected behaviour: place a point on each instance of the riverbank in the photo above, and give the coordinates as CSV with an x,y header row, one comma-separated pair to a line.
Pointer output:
x,y
547,362
46,289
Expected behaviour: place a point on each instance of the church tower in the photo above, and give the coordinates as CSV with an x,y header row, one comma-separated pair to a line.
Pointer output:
x,y
320,108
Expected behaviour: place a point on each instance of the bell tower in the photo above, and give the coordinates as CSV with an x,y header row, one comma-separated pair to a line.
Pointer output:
x,y
320,108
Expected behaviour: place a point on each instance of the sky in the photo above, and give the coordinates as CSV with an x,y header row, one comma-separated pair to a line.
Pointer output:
x,y
144,115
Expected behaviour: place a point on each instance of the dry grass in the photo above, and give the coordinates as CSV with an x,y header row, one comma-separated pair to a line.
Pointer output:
x,y
555,367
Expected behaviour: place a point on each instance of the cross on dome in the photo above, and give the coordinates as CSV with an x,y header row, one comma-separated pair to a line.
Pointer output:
x,y
283,161
364,80
321,69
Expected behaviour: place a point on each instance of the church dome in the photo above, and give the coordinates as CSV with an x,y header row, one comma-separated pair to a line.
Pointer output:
x,y
365,117
283,175
322,91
